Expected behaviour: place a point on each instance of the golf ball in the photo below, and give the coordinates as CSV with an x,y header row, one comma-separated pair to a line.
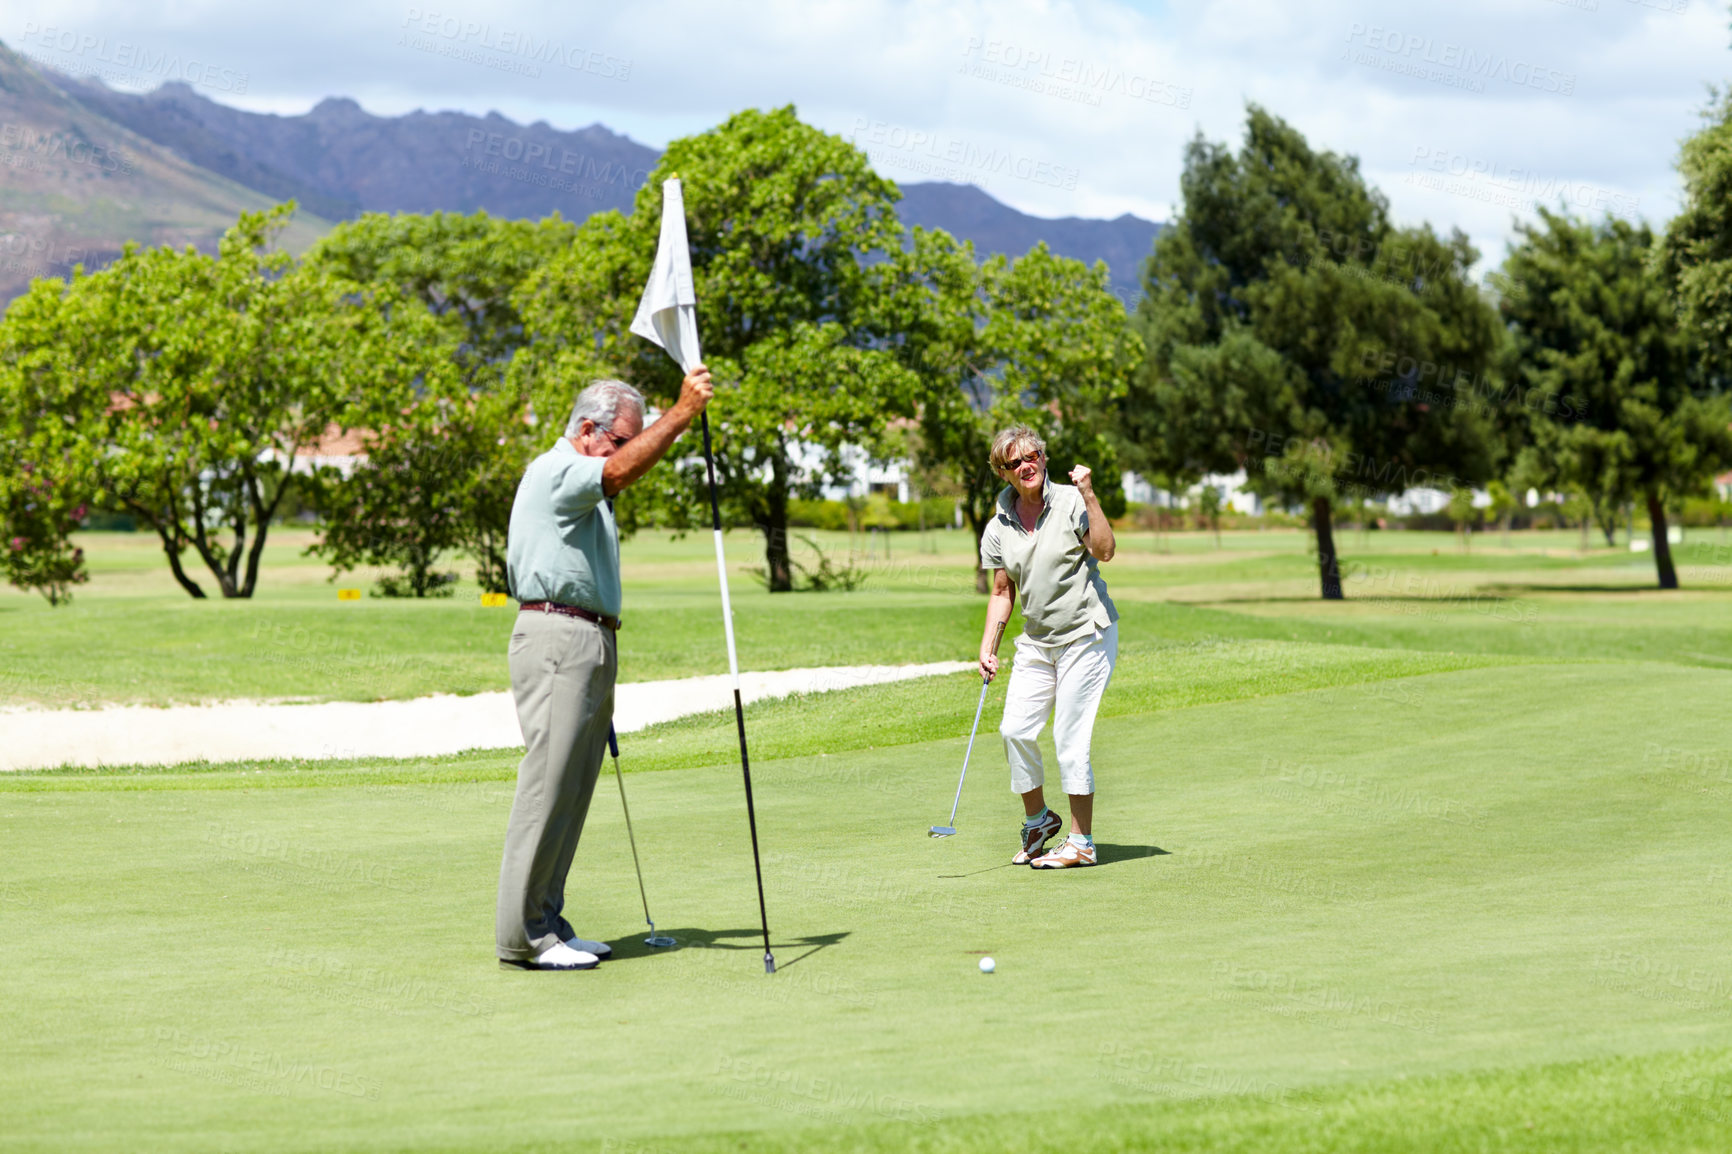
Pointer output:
x,y
987,965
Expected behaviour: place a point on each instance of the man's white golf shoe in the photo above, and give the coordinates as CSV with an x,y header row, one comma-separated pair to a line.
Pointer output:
x,y
560,957
600,949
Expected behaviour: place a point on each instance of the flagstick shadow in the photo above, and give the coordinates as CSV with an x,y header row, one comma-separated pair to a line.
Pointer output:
x,y
817,942
691,938
977,873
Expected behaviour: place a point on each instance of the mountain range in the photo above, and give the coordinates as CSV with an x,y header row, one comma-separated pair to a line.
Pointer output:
x,y
84,168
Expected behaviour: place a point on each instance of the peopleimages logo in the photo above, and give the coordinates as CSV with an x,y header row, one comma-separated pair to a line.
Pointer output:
x,y
1066,77
1459,59
480,144
961,156
25,145
137,59
478,34
1458,173
1404,374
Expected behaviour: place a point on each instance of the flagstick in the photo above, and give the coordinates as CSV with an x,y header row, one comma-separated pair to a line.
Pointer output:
x,y
739,708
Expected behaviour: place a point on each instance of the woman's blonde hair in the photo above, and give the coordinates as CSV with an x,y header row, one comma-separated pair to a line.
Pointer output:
x,y
1009,445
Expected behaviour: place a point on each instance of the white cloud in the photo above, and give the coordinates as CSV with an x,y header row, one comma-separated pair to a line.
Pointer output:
x,y
1074,108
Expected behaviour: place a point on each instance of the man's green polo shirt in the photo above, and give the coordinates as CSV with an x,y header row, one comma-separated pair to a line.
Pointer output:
x,y
563,544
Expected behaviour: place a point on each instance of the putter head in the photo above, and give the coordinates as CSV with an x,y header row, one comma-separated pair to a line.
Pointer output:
x,y
659,941
942,831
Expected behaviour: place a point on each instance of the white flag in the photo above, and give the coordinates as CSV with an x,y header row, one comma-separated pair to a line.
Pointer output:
x,y
668,313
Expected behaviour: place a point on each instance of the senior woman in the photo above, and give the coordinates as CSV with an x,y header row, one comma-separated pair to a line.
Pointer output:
x,y
1046,541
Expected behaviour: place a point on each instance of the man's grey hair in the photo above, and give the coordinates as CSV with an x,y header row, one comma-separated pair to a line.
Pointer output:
x,y
600,403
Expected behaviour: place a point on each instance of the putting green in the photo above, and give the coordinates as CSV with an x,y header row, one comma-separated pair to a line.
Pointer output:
x,y
1486,908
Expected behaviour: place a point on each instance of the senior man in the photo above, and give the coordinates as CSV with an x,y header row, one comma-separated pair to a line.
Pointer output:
x,y
562,563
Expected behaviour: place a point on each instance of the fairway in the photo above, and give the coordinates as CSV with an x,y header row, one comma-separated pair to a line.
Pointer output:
x,y
1371,880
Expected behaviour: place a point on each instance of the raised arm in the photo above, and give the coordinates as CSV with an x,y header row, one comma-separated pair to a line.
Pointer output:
x,y
639,455
1099,541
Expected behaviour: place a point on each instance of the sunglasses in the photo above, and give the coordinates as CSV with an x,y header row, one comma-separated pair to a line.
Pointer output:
x,y
619,442
1030,458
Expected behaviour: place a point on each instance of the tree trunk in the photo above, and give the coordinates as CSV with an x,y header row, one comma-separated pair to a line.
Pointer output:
x,y
417,567
233,565
1662,547
174,565
262,515
490,562
161,524
201,543
1607,517
776,560
1328,564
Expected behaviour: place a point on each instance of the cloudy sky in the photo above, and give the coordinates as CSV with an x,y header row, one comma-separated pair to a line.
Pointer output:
x,y
1464,112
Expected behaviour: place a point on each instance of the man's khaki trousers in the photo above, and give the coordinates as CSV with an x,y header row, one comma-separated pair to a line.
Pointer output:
x,y
562,674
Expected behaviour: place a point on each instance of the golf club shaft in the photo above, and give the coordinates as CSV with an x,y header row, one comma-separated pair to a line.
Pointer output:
x,y
739,707
613,748
984,683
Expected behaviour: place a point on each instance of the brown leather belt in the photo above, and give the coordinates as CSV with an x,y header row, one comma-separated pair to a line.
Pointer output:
x,y
571,611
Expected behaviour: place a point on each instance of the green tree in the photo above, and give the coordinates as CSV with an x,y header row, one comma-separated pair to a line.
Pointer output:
x,y
47,486
1270,300
1599,322
464,270
1039,341
1209,511
790,231
1696,256
1502,508
194,381
1461,511
402,507
36,525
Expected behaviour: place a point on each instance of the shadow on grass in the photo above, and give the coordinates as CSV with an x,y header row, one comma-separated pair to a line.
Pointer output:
x,y
1106,853
751,939
1518,590
1372,597
987,870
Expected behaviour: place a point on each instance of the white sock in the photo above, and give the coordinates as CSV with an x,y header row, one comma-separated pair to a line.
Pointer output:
x,y
1080,839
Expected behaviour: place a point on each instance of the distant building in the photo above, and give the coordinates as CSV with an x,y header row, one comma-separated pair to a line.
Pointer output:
x,y
335,449
1228,485
1236,498
866,477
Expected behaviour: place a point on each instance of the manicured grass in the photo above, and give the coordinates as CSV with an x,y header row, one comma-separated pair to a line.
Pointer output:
x,y
132,636
1442,868
1478,909
1151,676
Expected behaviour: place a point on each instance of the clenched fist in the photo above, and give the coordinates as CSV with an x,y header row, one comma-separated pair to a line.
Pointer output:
x,y
695,391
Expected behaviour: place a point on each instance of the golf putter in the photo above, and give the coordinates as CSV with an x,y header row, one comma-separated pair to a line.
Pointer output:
x,y
658,941
985,682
